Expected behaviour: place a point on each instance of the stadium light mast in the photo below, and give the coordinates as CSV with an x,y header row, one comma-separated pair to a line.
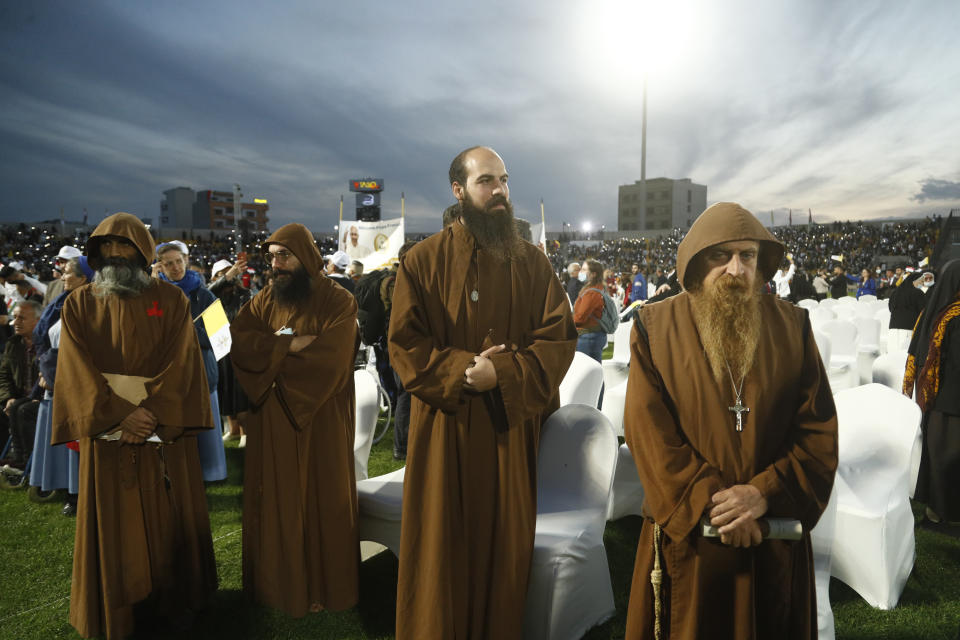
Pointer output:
x,y
237,195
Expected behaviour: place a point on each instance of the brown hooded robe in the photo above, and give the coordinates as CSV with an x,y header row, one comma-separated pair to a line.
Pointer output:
x,y
469,496
685,447
300,540
142,523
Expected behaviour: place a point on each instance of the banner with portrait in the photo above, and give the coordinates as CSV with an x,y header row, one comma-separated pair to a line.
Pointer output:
x,y
375,244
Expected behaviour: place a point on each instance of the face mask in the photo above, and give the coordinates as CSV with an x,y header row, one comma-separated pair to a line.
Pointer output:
x,y
583,276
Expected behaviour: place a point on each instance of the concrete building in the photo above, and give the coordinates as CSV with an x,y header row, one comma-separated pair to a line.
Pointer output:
x,y
185,208
669,204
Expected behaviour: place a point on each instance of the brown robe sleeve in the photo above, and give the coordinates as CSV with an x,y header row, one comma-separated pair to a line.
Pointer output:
x,y
432,373
262,358
529,375
678,483
798,483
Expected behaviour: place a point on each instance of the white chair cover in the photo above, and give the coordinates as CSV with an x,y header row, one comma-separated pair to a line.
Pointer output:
x,y
823,346
381,504
888,369
614,400
842,372
868,346
845,312
829,303
368,409
898,339
864,309
879,446
569,590
582,382
846,300
807,303
821,316
626,495
821,538
867,297
616,368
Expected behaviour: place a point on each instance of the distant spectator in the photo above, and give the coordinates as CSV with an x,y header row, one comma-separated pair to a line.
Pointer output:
x,y
866,286
18,387
226,284
576,282
336,270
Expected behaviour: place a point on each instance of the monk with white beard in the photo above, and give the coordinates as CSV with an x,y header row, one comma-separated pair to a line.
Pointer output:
x,y
730,419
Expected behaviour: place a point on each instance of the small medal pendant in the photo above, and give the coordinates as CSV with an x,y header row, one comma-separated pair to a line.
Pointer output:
x,y
474,295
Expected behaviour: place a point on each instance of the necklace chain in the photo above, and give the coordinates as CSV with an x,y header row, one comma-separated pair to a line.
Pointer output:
x,y
734,384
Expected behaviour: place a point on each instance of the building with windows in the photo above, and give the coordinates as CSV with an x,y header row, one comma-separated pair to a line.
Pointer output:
x,y
670,204
185,208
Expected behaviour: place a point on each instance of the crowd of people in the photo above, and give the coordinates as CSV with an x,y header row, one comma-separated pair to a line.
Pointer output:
x,y
120,379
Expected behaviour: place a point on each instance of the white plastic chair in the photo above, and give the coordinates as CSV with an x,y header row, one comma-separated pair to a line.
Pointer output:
x,y
626,494
808,303
868,346
569,589
888,369
582,382
381,505
842,372
368,409
879,457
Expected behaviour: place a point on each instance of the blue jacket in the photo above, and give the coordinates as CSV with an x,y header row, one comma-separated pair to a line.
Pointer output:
x,y
638,290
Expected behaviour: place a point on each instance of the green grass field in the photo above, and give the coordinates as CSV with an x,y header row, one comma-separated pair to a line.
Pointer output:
x,y
36,545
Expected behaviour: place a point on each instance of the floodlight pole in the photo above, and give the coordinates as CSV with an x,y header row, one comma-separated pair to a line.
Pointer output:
x,y
237,195
643,158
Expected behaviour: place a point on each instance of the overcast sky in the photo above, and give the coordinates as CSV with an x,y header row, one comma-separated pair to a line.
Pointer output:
x,y
846,108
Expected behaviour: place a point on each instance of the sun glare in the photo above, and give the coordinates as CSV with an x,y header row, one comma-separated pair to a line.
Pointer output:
x,y
626,40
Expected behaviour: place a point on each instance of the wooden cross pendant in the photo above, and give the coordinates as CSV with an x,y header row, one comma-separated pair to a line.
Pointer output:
x,y
739,409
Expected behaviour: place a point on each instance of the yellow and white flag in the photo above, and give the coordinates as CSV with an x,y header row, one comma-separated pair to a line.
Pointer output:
x,y
218,329
838,258
924,262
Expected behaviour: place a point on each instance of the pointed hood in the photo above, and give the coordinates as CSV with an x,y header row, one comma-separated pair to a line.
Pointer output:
x,y
298,239
126,226
728,222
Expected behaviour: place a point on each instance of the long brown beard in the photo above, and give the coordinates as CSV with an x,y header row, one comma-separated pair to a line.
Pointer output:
x,y
494,230
727,315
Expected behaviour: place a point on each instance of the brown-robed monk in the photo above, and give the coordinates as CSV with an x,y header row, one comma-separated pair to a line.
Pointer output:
x,y
293,350
143,534
481,336
728,415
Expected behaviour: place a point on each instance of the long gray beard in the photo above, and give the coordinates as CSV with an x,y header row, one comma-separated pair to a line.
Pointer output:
x,y
120,280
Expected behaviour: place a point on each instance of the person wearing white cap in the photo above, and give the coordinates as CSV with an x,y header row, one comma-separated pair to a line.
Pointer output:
x,y
225,283
55,288
336,269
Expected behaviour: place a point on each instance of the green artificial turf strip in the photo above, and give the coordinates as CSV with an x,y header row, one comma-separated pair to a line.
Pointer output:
x,y
36,545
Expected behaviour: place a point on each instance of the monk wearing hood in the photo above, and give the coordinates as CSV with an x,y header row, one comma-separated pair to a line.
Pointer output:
x,y
143,533
294,347
730,418
481,335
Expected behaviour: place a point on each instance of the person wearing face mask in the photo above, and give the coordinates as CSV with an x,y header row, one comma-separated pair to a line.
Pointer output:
x,y
927,281
577,278
174,263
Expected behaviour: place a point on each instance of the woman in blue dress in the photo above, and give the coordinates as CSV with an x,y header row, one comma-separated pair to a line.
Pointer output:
x,y
55,467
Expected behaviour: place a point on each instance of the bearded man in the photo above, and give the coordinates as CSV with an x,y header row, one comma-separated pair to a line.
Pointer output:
x,y
730,418
481,335
131,388
294,346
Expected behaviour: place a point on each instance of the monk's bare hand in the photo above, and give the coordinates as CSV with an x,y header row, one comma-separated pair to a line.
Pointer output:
x,y
129,438
42,382
300,343
482,376
748,535
140,423
736,506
